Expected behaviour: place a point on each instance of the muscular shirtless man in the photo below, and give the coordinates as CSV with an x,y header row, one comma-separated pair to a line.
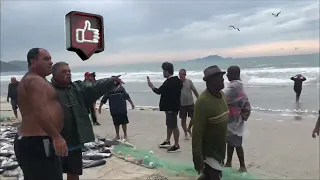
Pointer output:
x,y
38,143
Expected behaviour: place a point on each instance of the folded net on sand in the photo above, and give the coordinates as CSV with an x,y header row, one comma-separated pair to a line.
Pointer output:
x,y
174,168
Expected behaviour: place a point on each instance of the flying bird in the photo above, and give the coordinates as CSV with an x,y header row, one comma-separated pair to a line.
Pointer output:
x,y
235,28
276,15
296,48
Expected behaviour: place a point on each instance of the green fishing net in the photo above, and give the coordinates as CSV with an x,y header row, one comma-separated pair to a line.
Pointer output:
x,y
4,118
174,168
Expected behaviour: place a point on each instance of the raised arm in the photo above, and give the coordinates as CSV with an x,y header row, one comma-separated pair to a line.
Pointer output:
x,y
92,91
199,122
159,90
303,78
36,92
292,78
194,90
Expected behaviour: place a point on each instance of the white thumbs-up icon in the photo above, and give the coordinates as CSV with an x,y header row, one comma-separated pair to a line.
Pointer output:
x,y
87,27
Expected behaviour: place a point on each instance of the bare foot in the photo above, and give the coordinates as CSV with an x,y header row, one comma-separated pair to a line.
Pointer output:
x,y
242,169
116,138
229,165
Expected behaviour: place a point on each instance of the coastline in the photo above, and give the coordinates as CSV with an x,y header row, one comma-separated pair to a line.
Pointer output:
x,y
276,147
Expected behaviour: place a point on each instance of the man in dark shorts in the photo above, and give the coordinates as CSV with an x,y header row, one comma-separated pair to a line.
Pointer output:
x,y
209,134
187,104
118,109
38,143
170,92
91,77
12,94
75,98
298,79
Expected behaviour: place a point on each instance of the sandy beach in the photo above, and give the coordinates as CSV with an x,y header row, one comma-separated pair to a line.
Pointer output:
x,y
276,147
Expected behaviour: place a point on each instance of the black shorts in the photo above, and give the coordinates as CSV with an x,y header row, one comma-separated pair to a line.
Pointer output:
x,y
234,140
120,119
210,174
186,111
72,164
37,159
14,104
171,119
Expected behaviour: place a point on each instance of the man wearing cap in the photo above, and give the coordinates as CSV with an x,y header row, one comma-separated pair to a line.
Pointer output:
x,y
91,77
210,121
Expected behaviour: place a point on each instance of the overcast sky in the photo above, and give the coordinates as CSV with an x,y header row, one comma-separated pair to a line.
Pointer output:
x,y
137,31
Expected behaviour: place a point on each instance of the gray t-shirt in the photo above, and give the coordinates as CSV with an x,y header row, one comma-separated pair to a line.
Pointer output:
x,y
186,93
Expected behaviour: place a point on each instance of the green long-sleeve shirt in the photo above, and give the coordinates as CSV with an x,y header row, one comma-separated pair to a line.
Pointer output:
x,y
210,123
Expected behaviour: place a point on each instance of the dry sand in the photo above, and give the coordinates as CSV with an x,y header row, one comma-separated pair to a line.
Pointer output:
x,y
275,146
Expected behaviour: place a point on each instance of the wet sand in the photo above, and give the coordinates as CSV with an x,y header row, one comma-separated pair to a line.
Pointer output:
x,y
275,146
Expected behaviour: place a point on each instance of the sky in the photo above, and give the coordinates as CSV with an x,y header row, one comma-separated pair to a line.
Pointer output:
x,y
150,31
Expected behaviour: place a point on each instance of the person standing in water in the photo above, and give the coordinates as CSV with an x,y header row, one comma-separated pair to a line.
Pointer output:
x,y
239,112
12,94
298,79
187,103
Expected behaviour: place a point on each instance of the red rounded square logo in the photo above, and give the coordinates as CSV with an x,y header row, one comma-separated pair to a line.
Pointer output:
x,y
84,33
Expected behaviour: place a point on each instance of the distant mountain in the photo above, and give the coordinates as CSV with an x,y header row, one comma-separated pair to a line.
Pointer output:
x,y
210,58
22,64
13,66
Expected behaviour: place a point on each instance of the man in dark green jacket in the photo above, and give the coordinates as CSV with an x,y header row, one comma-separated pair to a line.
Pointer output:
x,y
76,98
210,123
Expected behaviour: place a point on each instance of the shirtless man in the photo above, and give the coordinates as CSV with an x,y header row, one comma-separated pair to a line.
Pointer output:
x,y
38,143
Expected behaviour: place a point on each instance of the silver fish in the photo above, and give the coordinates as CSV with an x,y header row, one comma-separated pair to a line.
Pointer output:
x,y
13,173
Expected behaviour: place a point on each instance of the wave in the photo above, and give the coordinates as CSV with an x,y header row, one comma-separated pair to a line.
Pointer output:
x,y
255,76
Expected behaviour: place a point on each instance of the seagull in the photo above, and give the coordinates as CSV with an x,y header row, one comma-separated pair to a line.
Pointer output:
x,y
235,28
276,15
296,48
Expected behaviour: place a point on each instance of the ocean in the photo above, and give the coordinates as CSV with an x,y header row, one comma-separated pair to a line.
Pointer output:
x,y
266,79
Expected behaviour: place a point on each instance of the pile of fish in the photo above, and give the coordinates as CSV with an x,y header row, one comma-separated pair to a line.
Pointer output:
x,y
93,153
9,166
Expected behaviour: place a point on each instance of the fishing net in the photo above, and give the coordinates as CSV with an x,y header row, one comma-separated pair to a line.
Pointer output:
x,y
5,118
174,168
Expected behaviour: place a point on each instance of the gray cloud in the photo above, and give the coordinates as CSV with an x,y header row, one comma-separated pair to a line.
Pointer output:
x,y
159,26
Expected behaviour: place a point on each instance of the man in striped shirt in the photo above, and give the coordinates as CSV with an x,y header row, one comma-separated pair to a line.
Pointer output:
x,y
210,122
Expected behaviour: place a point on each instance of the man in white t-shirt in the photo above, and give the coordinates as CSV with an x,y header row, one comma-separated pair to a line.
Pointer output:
x,y
187,103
